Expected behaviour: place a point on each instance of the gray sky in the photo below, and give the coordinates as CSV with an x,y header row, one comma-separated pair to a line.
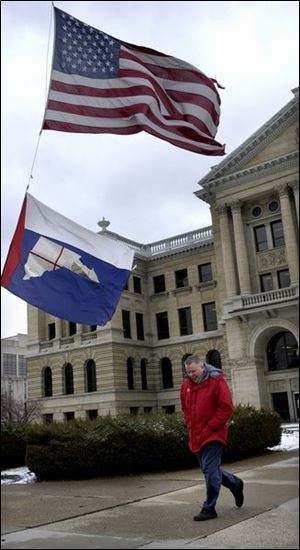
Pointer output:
x,y
143,185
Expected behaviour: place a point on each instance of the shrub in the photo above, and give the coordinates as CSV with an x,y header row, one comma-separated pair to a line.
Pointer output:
x,y
129,444
13,445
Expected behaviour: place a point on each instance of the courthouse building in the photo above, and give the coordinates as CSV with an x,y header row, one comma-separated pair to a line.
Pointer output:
x,y
228,292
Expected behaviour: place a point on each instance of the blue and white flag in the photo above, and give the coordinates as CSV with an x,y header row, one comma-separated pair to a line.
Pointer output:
x,y
64,269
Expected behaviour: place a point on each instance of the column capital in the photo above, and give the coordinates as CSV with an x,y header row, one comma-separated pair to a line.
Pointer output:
x,y
282,190
222,208
294,185
236,206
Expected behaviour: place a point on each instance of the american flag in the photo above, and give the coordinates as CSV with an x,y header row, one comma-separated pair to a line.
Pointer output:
x,y
103,85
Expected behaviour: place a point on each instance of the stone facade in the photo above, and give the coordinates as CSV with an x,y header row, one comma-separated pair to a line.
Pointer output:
x,y
228,292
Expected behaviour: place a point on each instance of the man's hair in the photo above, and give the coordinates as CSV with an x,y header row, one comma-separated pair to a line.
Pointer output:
x,y
193,359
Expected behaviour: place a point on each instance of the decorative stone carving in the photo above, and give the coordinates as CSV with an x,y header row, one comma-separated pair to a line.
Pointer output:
x,y
283,190
273,258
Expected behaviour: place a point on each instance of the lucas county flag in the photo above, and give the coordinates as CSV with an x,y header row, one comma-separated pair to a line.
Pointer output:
x,y
100,84
64,269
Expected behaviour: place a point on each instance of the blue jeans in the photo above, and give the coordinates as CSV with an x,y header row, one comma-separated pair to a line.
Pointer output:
x,y
209,459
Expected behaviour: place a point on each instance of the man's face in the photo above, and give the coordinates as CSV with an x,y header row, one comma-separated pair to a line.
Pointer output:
x,y
195,370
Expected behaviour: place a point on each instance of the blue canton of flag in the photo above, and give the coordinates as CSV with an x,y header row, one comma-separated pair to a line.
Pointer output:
x,y
84,50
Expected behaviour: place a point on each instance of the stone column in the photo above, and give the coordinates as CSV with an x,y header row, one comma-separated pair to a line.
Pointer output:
x,y
58,328
241,248
289,233
228,258
295,188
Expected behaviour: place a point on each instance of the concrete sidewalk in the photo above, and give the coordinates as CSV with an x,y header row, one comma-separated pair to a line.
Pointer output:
x,y
156,510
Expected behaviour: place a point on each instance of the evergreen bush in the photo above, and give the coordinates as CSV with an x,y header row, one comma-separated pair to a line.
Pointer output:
x,y
129,444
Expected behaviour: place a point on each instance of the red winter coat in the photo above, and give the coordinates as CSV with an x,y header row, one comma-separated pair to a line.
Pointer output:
x,y
206,407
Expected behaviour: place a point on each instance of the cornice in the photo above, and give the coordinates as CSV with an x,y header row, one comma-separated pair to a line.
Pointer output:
x,y
254,144
267,168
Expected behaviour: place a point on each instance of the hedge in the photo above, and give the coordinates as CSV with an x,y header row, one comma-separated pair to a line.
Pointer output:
x,y
128,444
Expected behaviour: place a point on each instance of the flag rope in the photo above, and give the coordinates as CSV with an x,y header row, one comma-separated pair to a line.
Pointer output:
x,y
46,96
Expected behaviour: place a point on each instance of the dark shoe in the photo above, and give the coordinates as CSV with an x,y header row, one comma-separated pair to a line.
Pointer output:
x,y
239,495
205,514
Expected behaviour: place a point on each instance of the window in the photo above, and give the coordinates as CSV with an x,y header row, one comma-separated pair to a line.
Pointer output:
x,y
283,278
162,325
68,379
144,374
209,316
205,273
90,376
9,364
166,373
260,238
130,377
256,211
72,328
134,410
69,416
266,282
185,321
51,331
281,405
126,286
169,409
139,326
181,278
22,366
147,410
159,284
137,285
282,351
213,357
277,233
47,382
47,418
91,414
126,323
273,206
93,328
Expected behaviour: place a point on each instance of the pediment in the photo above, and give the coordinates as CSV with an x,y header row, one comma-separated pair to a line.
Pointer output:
x,y
276,140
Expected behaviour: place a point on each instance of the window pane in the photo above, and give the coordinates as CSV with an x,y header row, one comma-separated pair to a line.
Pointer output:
x,y
277,233
9,364
205,273
260,238
137,285
126,323
266,282
139,326
185,321
283,278
181,277
209,316
159,284
51,331
162,325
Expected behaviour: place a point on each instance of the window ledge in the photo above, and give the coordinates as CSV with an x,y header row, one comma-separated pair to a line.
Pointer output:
x,y
182,289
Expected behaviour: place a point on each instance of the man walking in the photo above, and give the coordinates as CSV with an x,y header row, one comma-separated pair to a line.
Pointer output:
x,y
207,406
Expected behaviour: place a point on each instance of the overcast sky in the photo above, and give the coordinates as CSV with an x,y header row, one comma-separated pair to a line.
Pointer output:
x,y
143,185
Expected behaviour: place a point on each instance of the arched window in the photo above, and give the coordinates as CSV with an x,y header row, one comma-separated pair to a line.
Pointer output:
x,y
130,377
213,357
68,379
166,373
183,360
90,376
144,374
47,382
282,351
